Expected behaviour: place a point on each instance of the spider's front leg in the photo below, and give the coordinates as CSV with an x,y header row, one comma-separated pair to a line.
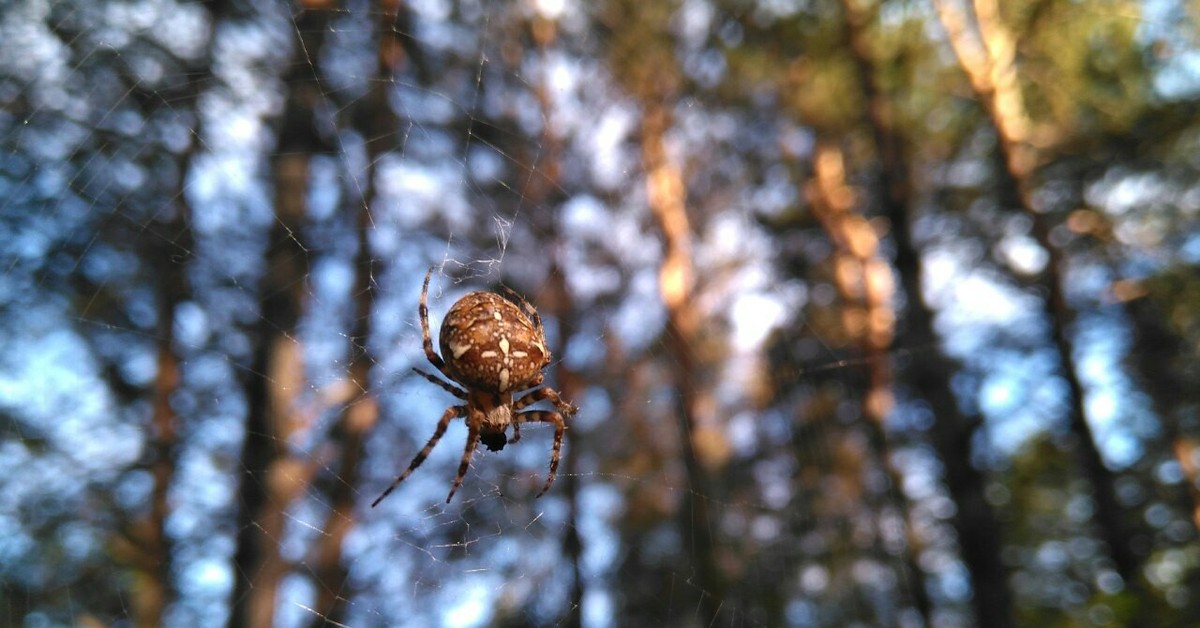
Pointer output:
x,y
532,397
451,413
443,385
560,428
545,393
565,409
426,337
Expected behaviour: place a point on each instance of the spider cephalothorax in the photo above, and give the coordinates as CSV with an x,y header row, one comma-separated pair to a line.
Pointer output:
x,y
494,349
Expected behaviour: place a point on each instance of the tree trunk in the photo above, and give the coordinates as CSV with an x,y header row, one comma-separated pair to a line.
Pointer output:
x,y
866,288
990,64
666,193
1158,363
377,122
975,523
168,250
271,477
544,190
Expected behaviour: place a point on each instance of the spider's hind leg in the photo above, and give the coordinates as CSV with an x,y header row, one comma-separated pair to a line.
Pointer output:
x,y
451,413
468,451
526,306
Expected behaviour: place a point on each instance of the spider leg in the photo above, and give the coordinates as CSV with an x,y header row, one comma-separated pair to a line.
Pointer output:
x,y
516,433
451,413
527,308
545,393
560,427
516,298
468,451
426,339
446,387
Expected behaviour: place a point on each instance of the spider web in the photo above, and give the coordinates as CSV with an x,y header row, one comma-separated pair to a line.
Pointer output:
x,y
498,144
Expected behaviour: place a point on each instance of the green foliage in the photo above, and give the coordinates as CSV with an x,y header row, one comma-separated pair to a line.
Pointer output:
x,y
1085,72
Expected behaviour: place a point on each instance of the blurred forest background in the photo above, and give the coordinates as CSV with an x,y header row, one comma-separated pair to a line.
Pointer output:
x,y
879,313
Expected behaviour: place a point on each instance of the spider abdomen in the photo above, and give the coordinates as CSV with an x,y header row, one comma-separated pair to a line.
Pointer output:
x,y
489,344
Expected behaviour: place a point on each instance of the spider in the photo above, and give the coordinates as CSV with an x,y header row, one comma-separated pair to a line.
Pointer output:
x,y
494,350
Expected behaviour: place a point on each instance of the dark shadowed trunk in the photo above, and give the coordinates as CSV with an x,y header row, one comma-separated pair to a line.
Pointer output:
x,y
271,479
980,537
978,531
989,59
543,189
1160,364
377,123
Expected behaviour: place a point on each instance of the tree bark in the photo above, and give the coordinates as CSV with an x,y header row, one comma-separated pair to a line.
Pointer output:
x,y
271,477
377,123
543,189
168,250
145,543
864,282
977,528
1158,363
990,64
666,193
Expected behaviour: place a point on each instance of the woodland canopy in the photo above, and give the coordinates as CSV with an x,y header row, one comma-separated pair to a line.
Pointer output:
x,y
877,313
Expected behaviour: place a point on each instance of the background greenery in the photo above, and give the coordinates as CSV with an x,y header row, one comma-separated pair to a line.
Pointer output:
x,y
878,313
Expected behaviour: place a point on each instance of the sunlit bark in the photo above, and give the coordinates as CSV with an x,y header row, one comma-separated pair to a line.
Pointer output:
x,y
666,193
978,532
865,285
863,278
271,478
